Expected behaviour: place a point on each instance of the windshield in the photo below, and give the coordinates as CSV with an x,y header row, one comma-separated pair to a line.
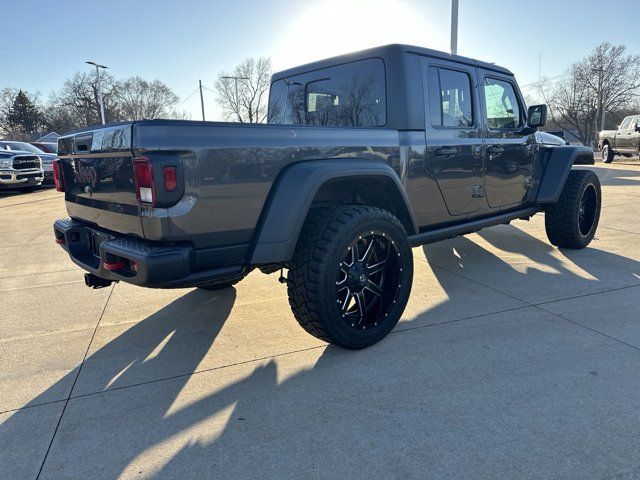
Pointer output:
x,y
25,147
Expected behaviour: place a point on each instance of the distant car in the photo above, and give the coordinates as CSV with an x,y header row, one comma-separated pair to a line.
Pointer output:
x,y
20,170
24,147
48,147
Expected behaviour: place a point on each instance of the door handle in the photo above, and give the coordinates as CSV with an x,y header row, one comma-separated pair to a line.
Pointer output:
x,y
495,149
446,151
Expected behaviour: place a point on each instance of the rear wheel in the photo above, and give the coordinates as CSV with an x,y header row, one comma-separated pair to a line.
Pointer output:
x,y
350,277
607,153
573,220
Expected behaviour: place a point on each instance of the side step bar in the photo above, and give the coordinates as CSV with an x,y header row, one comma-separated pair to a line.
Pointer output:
x,y
469,227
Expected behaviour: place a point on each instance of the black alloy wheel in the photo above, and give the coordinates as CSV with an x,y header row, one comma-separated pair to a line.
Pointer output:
x,y
587,209
350,276
367,281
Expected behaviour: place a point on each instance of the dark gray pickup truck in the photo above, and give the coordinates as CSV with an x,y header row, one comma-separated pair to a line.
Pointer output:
x,y
365,156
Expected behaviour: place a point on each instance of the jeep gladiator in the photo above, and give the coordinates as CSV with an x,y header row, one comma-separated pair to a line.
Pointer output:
x,y
623,141
364,157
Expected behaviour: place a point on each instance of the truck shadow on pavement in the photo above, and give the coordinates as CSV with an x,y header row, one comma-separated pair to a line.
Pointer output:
x,y
169,344
318,420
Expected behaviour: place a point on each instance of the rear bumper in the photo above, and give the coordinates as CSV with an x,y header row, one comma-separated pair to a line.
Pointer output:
x,y
125,258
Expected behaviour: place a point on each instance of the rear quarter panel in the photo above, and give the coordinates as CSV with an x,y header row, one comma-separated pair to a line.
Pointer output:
x,y
229,170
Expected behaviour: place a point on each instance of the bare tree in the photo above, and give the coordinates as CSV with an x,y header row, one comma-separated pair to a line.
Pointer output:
x,y
247,103
607,78
78,98
7,97
138,98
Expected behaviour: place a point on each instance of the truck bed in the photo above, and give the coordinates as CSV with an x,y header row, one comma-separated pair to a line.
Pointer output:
x,y
228,170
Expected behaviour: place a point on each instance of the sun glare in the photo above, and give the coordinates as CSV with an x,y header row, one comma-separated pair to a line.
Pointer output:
x,y
334,27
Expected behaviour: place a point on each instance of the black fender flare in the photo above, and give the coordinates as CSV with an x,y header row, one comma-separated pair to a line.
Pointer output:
x,y
291,197
556,163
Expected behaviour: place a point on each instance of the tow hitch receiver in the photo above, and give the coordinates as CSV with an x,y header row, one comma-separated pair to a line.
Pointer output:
x,y
93,281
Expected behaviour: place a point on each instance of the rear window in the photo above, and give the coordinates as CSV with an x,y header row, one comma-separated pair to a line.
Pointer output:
x,y
350,95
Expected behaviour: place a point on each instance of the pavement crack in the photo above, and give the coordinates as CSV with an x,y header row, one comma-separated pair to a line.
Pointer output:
x,y
618,230
74,383
587,327
538,306
586,295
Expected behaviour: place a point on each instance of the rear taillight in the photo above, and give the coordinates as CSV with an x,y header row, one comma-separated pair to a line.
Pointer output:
x,y
58,178
170,178
143,178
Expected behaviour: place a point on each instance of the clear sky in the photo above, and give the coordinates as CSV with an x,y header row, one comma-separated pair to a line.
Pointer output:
x,y
181,41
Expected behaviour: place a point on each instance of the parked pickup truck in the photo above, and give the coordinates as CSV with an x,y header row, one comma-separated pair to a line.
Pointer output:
x,y
623,141
365,156
20,170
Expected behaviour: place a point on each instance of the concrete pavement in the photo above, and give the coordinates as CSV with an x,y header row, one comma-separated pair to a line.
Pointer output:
x,y
513,360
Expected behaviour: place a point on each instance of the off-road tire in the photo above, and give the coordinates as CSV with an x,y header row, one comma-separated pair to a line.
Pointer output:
x,y
220,285
607,153
564,222
327,237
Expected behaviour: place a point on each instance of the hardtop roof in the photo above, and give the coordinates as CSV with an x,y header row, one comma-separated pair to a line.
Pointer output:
x,y
385,52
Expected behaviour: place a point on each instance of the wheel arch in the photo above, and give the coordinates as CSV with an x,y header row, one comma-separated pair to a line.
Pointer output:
x,y
324,182
557,163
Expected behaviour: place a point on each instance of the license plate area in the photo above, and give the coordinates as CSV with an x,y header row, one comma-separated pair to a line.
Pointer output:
x,y
94,240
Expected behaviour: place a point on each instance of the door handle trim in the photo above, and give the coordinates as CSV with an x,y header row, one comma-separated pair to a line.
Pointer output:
x,y
495,149
446,151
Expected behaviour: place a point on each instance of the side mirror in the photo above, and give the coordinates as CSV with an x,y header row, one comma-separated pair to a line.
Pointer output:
x,y
637,127
537,116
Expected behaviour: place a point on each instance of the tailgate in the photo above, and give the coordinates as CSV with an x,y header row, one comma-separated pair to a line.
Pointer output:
x,y
97,166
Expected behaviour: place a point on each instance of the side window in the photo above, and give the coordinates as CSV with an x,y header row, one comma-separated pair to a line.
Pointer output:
x,y
501,103
625,123
349,95
450,101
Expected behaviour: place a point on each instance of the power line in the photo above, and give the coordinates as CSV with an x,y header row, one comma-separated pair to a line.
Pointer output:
x,y
191,95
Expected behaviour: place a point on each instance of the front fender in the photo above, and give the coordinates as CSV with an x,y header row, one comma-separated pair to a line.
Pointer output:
x,y
291,198
556,164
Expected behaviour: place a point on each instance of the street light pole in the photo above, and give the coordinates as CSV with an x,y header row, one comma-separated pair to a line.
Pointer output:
x,y
98,67
454,27
235,79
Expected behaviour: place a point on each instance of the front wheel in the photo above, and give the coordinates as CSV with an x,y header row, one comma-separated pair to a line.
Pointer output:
x,y
607,154
573,220
350,277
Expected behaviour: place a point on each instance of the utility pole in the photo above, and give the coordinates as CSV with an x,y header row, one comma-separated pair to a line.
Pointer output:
x,y
98,67
454,27
235,79
201,99
602,98
604,102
